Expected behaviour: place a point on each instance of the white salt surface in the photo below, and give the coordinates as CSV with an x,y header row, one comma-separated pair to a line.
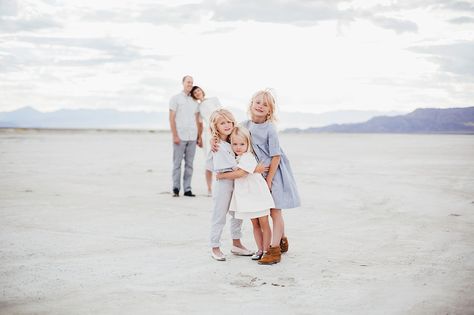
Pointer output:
x,y
87,226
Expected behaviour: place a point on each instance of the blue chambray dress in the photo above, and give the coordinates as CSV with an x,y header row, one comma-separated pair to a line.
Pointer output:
x,y
265,144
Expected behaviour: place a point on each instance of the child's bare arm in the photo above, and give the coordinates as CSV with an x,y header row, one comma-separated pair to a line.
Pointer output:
x,y
232,175
273,167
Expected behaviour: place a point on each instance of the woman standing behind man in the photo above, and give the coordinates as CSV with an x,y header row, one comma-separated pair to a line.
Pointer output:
x,y
206,107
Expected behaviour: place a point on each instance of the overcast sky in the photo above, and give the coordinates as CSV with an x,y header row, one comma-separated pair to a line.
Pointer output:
x,y
317,55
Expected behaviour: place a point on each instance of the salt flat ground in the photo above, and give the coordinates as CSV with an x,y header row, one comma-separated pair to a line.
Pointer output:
x,y
87,226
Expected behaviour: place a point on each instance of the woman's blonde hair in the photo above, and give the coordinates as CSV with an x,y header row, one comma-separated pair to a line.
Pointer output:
x,y
241,131
220,113
268,98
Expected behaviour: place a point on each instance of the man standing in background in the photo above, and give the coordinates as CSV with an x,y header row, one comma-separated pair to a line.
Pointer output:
x,y
186,130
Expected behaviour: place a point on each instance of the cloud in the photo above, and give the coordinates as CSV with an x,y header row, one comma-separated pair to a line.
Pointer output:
x,y
16,18
158,81
8,63
111,15
298,12
397,25
175,15
122,54
157,14
462,20
285,12
455,58
13,24
458,5
453,5
307,13
8,8
219,30
66,51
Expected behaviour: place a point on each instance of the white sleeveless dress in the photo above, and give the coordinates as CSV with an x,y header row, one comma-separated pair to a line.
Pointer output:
x,y
251,197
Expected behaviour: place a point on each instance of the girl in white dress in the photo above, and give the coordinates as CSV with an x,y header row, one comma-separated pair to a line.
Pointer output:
x,y
206,107
251,198
223,160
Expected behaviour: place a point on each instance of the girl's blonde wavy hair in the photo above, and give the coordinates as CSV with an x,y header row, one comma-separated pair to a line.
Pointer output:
x,y
268,98
241,131
220,113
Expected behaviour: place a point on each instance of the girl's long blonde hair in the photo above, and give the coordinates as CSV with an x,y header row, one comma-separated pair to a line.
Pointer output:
x,y
220,113
241,131
267,98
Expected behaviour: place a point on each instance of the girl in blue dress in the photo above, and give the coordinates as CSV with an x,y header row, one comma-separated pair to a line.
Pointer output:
x,y
279,178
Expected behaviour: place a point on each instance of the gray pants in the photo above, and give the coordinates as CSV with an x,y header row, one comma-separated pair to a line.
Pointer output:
x,y
221,196
186,150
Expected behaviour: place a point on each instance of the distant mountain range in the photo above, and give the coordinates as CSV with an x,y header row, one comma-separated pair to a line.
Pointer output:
x,y
28,117
423,120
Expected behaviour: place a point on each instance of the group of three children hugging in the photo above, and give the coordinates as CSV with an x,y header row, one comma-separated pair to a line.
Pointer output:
x,y
248,189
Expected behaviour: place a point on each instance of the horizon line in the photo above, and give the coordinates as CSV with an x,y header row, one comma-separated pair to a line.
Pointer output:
x,y
281,111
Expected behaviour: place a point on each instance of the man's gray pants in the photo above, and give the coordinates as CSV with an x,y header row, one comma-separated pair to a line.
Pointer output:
x,y
184,150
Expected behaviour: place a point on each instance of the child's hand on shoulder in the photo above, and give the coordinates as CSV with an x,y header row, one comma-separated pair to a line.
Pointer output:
x,y
260,168
214,144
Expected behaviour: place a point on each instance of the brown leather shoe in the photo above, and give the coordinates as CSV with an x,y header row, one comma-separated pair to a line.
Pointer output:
x,y
272,256
284,244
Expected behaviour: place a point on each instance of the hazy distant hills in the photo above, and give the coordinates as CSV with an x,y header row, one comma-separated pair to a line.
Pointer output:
x,y
424,120
28,117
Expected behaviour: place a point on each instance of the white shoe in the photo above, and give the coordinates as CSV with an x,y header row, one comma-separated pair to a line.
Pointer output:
x,y
218,257
241,251
257,256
